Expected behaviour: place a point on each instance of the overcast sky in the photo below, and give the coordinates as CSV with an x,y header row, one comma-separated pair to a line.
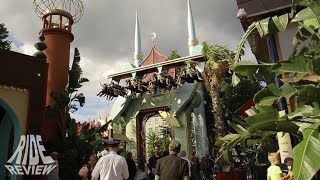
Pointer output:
x,y
105,34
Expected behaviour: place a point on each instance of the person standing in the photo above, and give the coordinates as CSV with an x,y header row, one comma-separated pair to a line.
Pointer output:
x,y
207,167
153,161
85,171
142,172
274,172
54,174
131,166
287,166
183,155
172,167
195,168
111,166
93,159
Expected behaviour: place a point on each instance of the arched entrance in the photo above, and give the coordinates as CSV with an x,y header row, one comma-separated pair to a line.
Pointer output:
x,y
141,120
9,137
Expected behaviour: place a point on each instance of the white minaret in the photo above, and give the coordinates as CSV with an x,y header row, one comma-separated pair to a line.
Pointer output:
x,y
192,41
137,44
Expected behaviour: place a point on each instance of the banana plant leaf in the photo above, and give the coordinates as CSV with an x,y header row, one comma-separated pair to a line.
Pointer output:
x,y
249,68
297,64
309,94
307,13
267,96
307,19
302,112
237,127
307,154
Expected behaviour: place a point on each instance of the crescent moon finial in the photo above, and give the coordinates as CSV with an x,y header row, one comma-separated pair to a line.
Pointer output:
x,y
154,36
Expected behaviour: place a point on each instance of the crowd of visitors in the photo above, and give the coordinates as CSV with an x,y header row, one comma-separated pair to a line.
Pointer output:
x,y
171,164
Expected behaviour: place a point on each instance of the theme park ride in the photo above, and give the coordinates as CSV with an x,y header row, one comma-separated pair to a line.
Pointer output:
x,y
158,86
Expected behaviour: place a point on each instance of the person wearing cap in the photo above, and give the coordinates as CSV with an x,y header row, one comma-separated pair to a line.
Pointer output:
x,y
111,166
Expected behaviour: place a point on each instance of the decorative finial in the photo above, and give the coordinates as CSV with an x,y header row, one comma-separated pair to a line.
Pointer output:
x,y
242,13
154,35
192,41
40,46
73,7
137,44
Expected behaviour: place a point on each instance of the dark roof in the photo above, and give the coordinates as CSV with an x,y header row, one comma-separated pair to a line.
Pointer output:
x,y
18,57
258,7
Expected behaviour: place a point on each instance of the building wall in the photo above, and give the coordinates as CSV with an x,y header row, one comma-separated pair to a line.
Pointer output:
x,y
256,7
154,123
18,101
26,72
285,41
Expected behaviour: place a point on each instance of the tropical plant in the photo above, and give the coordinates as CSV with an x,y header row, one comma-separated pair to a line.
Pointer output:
x,y
219,59
174,55
153,141
301,74
66,101
233,97
83,140
164,143
75,82
120,126
4,43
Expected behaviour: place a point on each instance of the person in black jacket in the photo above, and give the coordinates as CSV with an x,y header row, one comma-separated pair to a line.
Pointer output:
x,y
153,161
131,166
172,167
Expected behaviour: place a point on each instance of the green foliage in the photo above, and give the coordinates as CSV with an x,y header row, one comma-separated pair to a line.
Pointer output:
x,y
307,19
218,57
303,69
75,82
307,153
77,147
120,126
164,143
153,141
232,98
216,69
174,55
4,44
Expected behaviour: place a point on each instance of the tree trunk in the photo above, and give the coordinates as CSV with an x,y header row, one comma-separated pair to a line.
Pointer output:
x,y
213,90
220,125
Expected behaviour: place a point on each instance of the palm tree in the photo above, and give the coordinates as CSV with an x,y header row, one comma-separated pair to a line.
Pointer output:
x,y
217,65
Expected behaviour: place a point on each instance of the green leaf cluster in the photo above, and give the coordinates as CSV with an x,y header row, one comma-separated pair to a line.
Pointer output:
x,y
301,75
4,43
174,55
75,82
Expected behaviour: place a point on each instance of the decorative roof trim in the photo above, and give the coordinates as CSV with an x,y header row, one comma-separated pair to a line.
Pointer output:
x,y
153,67
13,88
154,49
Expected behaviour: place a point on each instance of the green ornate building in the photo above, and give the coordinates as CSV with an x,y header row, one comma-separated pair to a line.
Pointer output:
x,y
157,86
